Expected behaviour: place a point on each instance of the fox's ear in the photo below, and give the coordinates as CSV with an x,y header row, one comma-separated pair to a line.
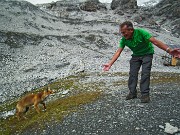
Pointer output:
x,y
48,88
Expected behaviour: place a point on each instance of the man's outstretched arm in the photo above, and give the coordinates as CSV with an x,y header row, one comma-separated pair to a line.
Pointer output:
x,y
114,58
174,52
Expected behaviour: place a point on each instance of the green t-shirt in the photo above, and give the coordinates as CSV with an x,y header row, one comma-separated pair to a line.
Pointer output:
x,y
139,44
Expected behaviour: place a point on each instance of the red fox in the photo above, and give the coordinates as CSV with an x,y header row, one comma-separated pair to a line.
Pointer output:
x,y
32,99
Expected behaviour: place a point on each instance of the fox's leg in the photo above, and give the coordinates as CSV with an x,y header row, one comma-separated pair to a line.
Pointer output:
x,y
24,111
27,108
36,107
18,114
44,105
25,118
18,111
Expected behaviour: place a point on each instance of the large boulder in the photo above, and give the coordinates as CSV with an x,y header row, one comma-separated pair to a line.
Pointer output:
x,y
92,6
124,4
89,6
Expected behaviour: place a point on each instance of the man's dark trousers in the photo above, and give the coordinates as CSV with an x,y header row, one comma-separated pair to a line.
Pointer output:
x,y
135,63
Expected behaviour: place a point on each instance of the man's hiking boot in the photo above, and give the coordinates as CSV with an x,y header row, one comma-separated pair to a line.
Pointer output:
x,y
131,96
145,99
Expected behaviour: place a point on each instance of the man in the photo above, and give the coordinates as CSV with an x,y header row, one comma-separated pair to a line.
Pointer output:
x,y
140,42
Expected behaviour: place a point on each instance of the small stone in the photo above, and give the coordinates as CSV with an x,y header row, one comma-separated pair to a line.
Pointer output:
x,y
160,126
137,128
65,92
170,129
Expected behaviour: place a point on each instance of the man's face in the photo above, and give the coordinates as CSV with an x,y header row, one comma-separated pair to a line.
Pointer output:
x,y
126,32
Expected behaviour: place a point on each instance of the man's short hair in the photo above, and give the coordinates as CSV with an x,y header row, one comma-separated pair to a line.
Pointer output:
x,y
126,23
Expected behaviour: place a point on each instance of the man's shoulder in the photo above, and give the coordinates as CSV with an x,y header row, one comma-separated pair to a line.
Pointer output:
x,y
141,30
143,33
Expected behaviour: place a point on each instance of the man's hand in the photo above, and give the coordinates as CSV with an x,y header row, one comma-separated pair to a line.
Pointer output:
x,y
106,67
175,52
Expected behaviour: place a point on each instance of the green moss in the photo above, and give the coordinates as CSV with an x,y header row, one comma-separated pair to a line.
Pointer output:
x,y
158,77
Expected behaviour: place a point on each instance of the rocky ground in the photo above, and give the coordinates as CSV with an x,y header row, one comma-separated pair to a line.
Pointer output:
x,y
113,115
39,46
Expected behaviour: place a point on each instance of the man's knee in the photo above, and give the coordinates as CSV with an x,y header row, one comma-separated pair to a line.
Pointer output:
x,y
145,74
